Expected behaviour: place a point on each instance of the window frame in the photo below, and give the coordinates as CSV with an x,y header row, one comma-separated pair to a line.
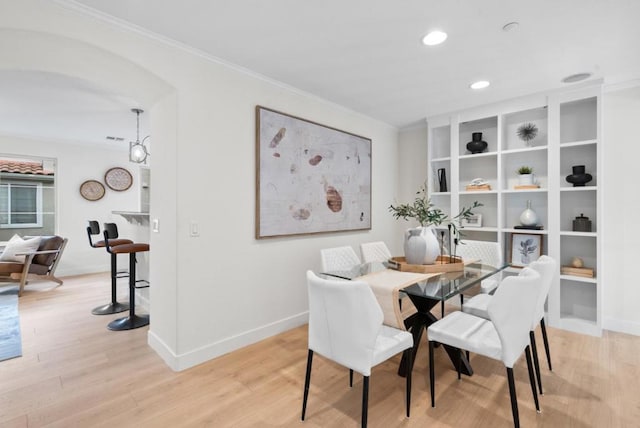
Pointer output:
x,y
39,223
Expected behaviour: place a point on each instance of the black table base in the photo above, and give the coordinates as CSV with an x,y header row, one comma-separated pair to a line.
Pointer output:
x,y
417,323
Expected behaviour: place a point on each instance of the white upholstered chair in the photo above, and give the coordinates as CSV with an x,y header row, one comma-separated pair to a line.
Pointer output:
x,y
547,268
504,336
489,253
338,258
374,252
345,326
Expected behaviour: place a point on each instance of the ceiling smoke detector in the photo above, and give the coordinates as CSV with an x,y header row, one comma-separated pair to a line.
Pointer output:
x,y
576,77
510,26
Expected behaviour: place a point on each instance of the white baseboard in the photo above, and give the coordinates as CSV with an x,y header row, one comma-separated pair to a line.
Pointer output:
x,y
628,327
80,270
224,346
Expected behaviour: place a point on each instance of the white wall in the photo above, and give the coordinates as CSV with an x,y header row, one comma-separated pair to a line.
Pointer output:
x,y
621,199
224,289
75,164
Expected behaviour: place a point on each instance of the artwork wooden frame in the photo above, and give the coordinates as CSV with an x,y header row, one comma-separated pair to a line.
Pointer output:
x,y
310,178
521,243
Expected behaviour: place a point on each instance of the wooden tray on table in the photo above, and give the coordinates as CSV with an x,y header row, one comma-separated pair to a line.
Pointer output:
x,y
442,264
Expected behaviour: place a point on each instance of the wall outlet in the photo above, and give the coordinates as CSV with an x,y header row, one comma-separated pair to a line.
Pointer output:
x,y
155,225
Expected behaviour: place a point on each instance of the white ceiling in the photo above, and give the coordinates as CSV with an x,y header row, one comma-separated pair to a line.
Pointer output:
x,y
363,54
53,106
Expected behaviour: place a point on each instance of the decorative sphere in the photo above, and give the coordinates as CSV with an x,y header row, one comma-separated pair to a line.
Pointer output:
x,y
577,262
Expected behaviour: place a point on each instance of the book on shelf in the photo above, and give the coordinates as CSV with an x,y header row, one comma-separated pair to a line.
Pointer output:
x,y
582,271
526,186
536,227
481,187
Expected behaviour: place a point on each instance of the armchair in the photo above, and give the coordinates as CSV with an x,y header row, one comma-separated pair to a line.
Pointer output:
x,y
41,263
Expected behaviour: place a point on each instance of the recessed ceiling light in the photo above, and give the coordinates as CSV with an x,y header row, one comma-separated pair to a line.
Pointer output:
x,y
480,84
434,38
576,77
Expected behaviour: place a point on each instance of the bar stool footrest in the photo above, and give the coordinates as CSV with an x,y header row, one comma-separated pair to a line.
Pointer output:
x,y
146,283
110,308
129,323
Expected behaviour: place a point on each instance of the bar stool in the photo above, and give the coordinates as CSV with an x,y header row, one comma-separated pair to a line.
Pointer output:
x,y
133,320
114,307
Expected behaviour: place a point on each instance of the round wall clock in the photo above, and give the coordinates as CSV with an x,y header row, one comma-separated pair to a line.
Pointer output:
x,y
92,190
118,179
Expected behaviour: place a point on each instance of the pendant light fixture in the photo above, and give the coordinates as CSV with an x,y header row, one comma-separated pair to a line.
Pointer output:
x,y
138,152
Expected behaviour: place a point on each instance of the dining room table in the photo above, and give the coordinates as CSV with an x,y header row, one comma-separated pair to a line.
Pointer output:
x,y
425,290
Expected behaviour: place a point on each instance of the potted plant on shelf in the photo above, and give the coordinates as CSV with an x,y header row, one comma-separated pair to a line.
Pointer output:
x,y
420,243
526,176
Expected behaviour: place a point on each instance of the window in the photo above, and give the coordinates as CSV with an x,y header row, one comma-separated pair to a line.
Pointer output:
x,y
20,205
27,197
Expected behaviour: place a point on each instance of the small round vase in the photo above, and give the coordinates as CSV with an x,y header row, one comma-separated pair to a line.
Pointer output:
x,y
476,145
579,178
421,246
529,216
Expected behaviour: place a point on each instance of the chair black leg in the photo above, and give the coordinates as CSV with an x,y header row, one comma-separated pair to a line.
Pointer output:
x,y
442,309
461,300
307,379
409,355
514,400
350,378
432,375
468,357
546,342
536,362
459,364
532,379
365,401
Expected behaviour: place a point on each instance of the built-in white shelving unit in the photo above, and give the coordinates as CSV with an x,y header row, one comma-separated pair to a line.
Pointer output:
x,y
569,133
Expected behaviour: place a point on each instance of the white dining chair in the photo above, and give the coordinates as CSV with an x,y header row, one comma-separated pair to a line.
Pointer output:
x,y
374,252
345,326
488,253
547,268
338,258
504,336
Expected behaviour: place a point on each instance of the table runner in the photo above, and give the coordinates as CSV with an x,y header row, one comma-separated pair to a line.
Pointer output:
x,y
386,286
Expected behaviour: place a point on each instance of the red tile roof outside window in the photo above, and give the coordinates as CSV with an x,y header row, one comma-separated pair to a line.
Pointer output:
x,y
23,167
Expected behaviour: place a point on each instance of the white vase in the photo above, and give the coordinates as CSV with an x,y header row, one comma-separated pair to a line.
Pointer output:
x,y
526,179
421,246
529,216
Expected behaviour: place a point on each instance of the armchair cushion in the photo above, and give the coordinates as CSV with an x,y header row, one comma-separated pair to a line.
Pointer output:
x,y
47,243
17,245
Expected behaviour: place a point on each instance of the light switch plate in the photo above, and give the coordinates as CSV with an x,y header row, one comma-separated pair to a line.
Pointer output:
x,y
155,225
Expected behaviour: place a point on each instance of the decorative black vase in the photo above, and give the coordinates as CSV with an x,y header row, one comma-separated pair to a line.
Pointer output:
x,y
442,179
579,177
476,145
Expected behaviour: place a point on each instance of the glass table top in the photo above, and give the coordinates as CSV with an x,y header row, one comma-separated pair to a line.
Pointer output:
x,y
442,286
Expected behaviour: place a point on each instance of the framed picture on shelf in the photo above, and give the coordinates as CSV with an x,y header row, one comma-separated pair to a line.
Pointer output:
x,y
525,248
472,221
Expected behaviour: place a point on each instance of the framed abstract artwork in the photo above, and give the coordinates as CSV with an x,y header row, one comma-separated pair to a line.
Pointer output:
x,y
310,178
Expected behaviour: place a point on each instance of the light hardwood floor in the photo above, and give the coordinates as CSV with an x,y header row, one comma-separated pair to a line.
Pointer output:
x,y
76,373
